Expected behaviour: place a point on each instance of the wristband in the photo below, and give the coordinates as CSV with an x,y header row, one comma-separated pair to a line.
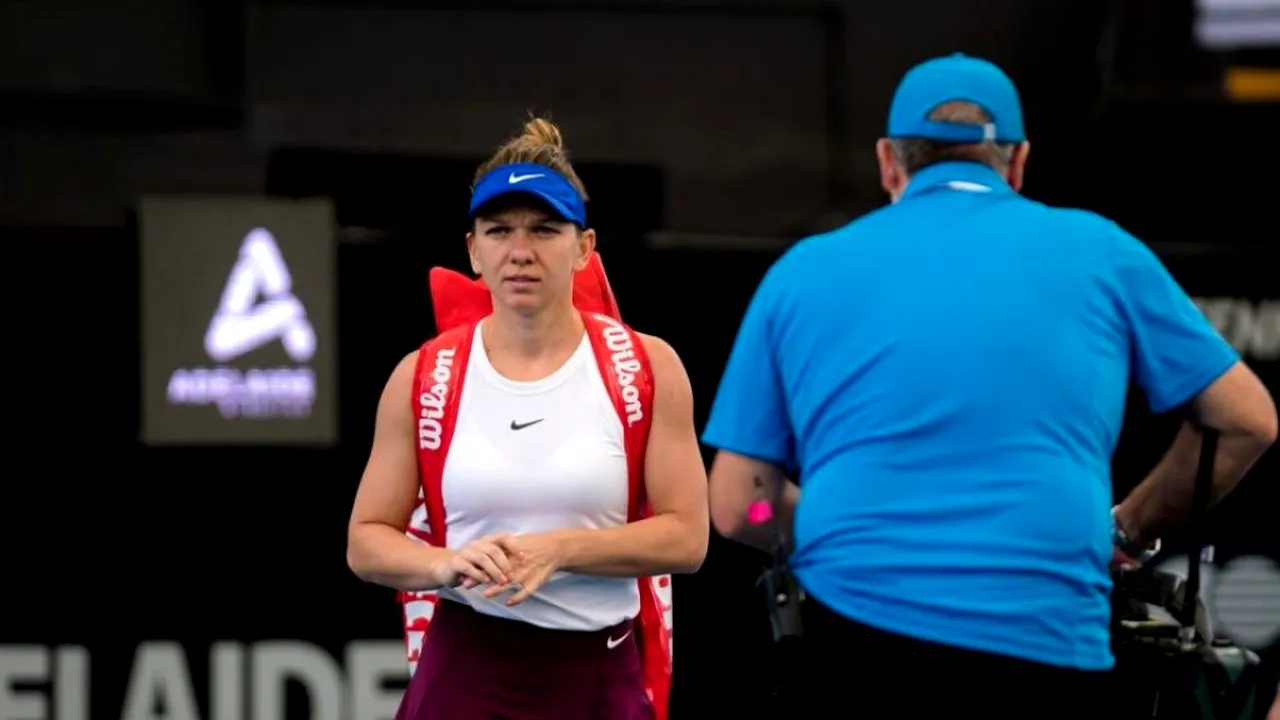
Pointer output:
x,y
1121,539
759,512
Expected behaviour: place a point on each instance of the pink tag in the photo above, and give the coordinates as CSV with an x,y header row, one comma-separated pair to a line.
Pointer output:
x,y
760,512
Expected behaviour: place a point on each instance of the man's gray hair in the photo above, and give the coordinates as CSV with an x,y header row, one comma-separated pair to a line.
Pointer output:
x,y
918,153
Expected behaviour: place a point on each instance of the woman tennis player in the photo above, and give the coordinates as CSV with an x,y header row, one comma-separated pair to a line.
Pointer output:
x,y
556,452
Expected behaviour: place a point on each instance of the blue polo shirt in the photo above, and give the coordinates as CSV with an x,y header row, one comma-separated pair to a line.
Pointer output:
x,y
949,376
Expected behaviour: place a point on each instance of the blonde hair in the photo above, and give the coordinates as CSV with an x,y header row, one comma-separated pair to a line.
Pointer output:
x,y
540,143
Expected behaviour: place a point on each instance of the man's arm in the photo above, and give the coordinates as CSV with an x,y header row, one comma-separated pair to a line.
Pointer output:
x,y
674,539
1239,407
1181,361
737,481
750,425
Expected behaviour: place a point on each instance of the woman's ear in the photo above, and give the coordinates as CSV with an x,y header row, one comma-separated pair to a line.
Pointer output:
x,y
471,253
586,246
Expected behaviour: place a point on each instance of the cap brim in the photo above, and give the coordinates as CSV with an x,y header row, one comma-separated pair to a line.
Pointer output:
x,y
514,197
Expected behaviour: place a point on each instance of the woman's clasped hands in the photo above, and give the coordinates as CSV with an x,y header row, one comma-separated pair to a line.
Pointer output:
x,y
503,563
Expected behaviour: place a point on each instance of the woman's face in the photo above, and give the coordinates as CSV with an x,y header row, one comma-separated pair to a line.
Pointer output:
x,y
528,257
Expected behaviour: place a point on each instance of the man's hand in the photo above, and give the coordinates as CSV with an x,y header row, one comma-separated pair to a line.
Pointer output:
x,y
1127,552
1122,561
535,558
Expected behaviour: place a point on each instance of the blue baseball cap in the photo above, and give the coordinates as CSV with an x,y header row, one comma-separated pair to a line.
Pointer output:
x,y
956,78
538,180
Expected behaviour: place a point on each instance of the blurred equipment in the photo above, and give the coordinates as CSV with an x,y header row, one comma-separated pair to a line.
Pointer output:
x,y
1170,665
1245,35
1232,24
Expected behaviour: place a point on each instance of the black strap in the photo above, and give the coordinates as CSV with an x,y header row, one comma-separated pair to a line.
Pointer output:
x,y
782,591
1199,505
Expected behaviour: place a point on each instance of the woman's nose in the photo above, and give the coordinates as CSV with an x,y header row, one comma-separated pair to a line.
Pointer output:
x,y
522,244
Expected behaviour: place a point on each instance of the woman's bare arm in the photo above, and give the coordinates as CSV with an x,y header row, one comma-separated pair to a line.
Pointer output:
x,y
378,550
675,538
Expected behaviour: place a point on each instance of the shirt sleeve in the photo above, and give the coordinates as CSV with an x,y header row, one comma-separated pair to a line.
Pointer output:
x,y
1176,351
750,414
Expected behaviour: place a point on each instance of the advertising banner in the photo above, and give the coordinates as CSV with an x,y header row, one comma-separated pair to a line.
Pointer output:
x,y
227,680
238,321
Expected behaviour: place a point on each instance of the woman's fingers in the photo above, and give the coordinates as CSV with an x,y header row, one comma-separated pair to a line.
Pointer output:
x,y
523,593
498,558
496,590
489,558
486,563
471,572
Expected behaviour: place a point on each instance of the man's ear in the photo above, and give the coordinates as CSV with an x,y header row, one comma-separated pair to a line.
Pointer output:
x,y
1018,165
893,178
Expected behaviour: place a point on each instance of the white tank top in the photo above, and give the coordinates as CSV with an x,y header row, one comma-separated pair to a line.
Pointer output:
x,y
529,457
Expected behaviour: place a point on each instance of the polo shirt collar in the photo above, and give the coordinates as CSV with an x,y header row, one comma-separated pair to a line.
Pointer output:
x,y
957,175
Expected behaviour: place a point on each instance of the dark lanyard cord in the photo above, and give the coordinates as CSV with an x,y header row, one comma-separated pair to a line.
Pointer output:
x,y
1199,505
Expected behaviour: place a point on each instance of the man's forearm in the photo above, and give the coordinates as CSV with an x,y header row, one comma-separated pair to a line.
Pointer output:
x,y
1163,500
765,536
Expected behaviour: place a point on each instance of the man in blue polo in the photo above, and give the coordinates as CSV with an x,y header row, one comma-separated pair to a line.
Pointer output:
x,y
948,376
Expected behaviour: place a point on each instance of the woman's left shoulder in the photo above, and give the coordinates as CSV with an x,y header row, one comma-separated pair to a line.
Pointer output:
x,y
656,346
663,358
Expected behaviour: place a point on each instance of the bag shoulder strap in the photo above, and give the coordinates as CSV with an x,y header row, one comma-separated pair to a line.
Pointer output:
x,y
628,377
437,383
441,372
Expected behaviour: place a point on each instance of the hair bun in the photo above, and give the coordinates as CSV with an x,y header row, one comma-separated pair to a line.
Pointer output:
x,y
539,143
543,132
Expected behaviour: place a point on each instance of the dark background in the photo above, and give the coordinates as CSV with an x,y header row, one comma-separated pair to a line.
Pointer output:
x,y
710,137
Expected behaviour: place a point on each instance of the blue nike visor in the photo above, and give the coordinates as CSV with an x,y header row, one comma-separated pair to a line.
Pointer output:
x,y
539,181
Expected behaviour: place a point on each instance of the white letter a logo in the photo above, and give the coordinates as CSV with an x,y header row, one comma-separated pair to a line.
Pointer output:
x,y
240,325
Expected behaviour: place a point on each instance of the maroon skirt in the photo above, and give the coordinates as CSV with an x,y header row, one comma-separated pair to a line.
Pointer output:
x,y
478,667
